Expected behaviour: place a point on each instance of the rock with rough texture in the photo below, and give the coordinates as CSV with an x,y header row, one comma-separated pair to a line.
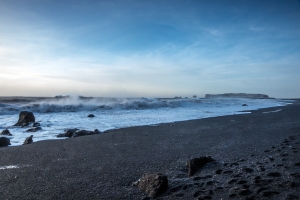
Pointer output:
x,y
96,131
152,184
91,115
4,142
82,133
77,133
28,140
25,118
68,133
6,132
36,124
34,129
196,163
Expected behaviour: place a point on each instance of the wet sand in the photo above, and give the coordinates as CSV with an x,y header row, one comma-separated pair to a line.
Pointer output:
x,y
257,157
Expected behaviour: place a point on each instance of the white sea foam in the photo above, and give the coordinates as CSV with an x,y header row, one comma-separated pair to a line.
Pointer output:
x,y
57,114
9,167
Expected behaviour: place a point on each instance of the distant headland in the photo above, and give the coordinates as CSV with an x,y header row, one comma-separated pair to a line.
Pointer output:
x,y
238,95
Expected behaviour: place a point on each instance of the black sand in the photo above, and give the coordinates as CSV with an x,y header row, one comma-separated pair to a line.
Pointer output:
x,y
257,158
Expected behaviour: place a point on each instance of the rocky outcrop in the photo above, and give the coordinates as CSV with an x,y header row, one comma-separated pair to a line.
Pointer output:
x,y
28,140
196,163
68,133
4,142
152,184
82,133
238,95
77,133
25,118
6,132
34,129
36,124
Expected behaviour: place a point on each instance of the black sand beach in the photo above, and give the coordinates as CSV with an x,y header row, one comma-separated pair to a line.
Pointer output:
x,y
257,157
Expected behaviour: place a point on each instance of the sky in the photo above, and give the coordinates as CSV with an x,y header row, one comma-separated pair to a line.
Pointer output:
x,y
149,48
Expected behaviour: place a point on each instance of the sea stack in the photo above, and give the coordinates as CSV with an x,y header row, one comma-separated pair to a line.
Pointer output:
x,y
25,118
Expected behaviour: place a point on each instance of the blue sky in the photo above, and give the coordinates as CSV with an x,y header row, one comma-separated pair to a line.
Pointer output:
x,y
150,48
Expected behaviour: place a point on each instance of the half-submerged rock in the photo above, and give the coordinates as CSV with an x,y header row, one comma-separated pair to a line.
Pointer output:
x,y
4,142
25,118
196,163
6,132
28,140
77,133
36,124
34,129
152,184
68,133
91,115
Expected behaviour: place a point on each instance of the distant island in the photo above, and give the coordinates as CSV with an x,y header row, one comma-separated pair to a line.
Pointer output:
x,y
238,95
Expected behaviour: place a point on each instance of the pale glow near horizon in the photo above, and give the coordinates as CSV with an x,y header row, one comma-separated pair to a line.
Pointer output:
x,y
150,49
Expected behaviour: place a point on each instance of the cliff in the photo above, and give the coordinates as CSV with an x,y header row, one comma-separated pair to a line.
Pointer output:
x,y
238,95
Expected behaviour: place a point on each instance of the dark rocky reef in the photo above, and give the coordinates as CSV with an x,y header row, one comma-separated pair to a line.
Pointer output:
x,y
77,133
238,95
6,132
4,142
152,184
25,118
34,129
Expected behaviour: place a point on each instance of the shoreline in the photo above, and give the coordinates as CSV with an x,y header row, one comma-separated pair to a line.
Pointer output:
x,y
104,166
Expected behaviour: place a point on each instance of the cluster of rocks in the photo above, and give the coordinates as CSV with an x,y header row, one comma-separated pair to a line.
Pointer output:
x,y
72,133
26,118
271,174
155,184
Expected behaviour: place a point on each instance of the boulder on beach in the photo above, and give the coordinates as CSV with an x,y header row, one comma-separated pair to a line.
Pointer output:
x,y
77,133
68,133
4,142
25,118
34,129
6,132
91,115
196,163
152,184
28,140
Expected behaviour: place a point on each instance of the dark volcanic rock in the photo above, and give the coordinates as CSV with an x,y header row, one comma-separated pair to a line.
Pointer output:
x,y
36,124
34,129
196,163
68,133
77,133
25,118
152,184
6,132
91,115
28,140
4,141
96,131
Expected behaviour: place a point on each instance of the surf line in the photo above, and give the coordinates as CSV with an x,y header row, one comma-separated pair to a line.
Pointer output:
x,y
272,111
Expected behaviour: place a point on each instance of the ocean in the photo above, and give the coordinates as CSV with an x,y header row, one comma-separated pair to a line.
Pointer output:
x,y
56,114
